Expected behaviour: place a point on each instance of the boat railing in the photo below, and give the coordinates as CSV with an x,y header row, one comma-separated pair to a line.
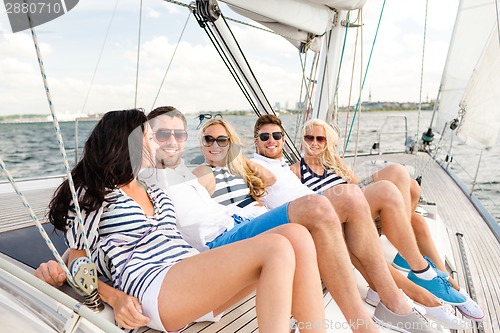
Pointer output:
x,y
383,131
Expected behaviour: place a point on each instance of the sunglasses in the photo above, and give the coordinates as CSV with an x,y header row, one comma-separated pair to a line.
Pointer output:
x,y
208,140
164,134
310,138
266,136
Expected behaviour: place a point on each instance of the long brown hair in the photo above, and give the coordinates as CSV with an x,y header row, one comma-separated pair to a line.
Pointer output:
x,y
107,163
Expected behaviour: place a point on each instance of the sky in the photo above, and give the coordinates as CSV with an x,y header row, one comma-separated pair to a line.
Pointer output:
x,y
197,80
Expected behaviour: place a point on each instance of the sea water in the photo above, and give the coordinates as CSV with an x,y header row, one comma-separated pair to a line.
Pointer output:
x,y
31,150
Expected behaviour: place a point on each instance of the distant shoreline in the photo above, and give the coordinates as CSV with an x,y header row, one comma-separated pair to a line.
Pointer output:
x,y
36,118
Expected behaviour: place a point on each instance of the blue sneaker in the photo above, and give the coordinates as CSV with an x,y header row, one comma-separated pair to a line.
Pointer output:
x,y
440,288
439,273
400,263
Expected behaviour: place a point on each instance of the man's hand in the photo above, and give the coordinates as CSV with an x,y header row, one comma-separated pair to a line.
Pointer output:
x,y
51,273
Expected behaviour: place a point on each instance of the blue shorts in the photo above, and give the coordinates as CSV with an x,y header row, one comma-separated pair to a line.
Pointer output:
x,y
247,228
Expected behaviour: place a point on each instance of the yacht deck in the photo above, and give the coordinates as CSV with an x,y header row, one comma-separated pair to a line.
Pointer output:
x,y
481,248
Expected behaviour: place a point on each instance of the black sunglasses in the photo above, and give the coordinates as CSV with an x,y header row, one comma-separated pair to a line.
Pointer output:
x,y
310,138
208,140
164,134
266,136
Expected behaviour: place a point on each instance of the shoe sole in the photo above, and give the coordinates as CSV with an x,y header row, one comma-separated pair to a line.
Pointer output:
x,y
399,267
445,301
371,302
446,324
387,325
469,316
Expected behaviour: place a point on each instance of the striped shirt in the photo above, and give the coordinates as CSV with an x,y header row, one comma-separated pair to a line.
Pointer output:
x,y
128,247
318,183
230,189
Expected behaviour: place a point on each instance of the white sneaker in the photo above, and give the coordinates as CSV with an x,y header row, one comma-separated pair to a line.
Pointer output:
x,y
470,309
373,299
444,315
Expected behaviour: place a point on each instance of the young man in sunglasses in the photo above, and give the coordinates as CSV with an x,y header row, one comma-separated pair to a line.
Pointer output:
x,y
169,130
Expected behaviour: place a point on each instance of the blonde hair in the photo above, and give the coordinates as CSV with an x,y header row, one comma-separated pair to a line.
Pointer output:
x,y
329,157
235,161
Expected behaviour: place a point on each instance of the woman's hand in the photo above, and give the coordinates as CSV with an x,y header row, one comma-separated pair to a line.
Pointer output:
x,y
51,273
128,310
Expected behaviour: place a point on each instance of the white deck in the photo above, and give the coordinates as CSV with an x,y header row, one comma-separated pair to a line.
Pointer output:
x,y
455,210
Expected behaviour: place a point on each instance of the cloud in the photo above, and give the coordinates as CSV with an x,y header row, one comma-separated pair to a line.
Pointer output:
x,y
198,80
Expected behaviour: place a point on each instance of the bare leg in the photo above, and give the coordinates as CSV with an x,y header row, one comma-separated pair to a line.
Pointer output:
x,y
200,284
386,201
426,244
307,304
362,240
399,176
317,215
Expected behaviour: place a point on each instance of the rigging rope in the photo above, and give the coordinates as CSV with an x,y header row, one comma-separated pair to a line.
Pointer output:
x,y
59,138
291,152
60,142
33,216
498,21
350,87
138,54
421,83
171,60
100,55
178,3
366,73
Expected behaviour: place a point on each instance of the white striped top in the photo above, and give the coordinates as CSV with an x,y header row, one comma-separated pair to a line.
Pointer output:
x,y
128,247
318,183
230,189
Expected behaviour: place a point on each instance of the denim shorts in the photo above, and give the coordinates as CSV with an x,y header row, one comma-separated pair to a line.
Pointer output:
x,y
247,228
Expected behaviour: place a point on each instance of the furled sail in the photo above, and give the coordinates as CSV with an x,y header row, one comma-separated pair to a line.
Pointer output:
x,y
474,22
303,21
481,101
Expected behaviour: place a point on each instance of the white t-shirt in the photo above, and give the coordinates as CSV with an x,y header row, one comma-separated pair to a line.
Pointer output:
x,y
287,186
168,176
199,218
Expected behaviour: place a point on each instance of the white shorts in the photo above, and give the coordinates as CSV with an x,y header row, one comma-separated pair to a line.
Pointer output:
x,y
150,306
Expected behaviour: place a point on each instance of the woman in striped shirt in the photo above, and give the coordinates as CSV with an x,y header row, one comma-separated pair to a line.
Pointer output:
x,y
322,168
230,178
157,278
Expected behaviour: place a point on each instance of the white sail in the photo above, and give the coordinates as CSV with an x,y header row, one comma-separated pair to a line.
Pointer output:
x,y
474,22
481,100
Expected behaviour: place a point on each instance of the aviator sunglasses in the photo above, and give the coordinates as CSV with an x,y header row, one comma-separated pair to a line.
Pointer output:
x,y
310,138
208,140
164,134
266,136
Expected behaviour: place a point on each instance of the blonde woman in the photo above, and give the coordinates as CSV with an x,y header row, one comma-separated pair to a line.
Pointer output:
x,y
229,177
322,168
